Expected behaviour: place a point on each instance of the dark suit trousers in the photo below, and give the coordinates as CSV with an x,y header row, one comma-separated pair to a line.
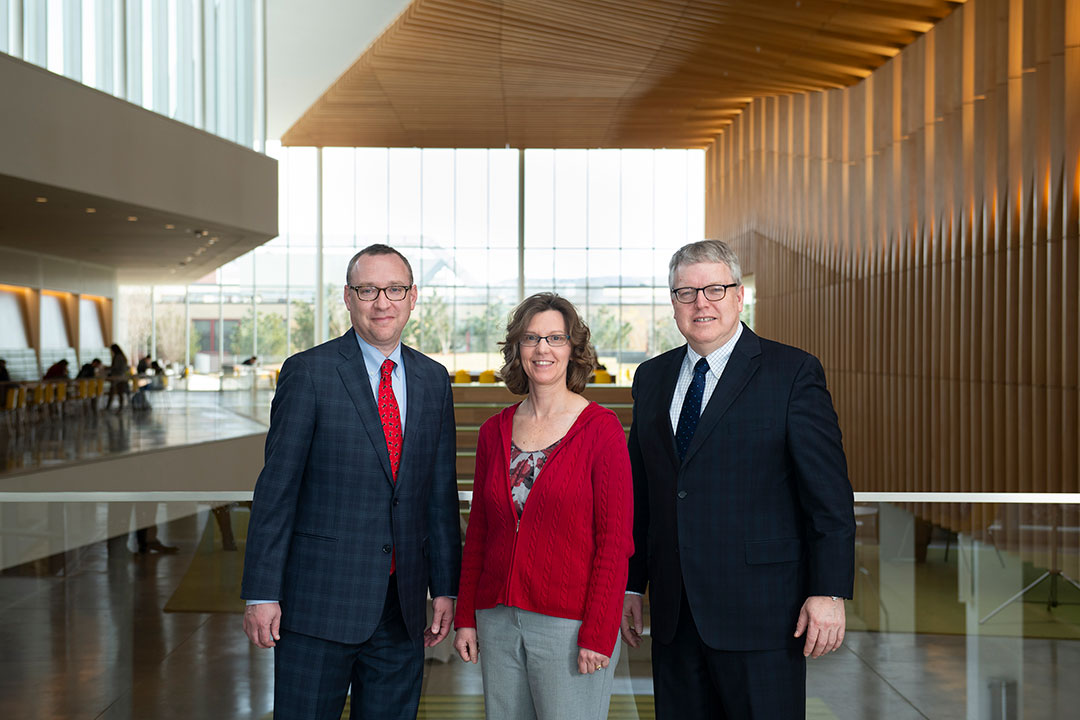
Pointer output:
x,y
692,681
312,675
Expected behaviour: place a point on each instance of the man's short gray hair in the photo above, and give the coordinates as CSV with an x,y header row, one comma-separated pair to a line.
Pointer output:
x,y
705,251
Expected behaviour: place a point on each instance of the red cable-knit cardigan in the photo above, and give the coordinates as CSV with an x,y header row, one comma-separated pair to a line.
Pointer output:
x,y
568,558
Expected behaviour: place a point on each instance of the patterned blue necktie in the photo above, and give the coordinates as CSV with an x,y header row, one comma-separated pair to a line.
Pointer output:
x,y
691,408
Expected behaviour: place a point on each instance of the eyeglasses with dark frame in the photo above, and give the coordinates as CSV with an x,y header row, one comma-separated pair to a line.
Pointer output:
x,y
370,293
553,340
715,293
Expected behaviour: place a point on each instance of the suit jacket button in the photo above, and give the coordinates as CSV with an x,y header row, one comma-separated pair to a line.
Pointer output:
x,y
396,501
682,494
387,548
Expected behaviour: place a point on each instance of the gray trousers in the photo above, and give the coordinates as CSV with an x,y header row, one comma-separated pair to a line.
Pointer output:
x,y
529,664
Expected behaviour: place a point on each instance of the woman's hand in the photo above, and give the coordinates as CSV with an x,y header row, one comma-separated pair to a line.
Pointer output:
x,y
466,645
589,662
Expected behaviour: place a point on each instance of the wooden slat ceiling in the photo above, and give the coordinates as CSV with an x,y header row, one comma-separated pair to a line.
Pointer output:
x,y
598,73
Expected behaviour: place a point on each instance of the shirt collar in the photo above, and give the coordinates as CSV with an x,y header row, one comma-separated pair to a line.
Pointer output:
x,y
714,358
374,358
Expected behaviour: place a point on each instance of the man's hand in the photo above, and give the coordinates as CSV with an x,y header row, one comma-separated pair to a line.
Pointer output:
x,y
442,615
262,623
632,625
466,645
589,662
823,620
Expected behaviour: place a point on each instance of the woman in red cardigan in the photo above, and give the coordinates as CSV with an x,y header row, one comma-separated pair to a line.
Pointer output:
x,y
545,561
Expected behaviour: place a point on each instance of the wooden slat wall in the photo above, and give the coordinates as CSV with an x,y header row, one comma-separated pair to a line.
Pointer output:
x,y
919,233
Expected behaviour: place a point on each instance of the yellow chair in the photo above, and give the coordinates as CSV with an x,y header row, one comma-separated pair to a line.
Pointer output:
x,y
462,377
97,390
11,401
35,399
50,398
82,393
20,407
602,377
487,377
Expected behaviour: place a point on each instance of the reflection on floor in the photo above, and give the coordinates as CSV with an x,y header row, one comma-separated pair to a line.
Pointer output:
x,y
90,635
175,418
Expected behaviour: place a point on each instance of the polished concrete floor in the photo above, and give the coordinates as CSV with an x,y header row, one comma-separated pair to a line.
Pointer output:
x,y
175,419
85,635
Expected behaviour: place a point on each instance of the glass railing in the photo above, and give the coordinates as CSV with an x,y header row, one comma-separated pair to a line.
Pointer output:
x,y
961,609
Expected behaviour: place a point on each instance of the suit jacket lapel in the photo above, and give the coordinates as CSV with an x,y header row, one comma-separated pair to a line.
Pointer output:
x,y
414,403
744,362
662,419
354,375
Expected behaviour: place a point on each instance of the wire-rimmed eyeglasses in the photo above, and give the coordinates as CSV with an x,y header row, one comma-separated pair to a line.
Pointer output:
x,y
553,340
369,293
714,293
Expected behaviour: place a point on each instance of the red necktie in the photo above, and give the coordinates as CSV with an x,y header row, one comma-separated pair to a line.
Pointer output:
x,y
391,425
391,418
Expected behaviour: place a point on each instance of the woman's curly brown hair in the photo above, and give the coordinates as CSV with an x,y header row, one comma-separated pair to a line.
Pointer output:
x,y
582,355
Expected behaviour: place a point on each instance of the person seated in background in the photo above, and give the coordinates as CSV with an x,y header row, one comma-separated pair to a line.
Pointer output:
x,y
157,380
5,381
57,371
89,370
143,364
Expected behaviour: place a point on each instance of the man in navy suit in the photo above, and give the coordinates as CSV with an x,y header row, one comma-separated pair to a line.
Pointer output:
x,y
355,516
743,515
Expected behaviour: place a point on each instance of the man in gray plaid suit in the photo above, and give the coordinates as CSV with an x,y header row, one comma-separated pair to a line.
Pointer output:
x,y
355,516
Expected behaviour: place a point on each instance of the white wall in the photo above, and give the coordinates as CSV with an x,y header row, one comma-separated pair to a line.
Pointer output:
x,y
60,133
90,332
33,270
310,44
12,333
53,331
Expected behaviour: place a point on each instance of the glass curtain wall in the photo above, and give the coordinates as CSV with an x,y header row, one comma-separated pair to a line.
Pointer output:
x,y
191,60
599,227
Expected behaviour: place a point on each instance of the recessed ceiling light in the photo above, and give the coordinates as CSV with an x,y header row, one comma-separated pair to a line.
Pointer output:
x,y
188,259
211,241
132,218
199,251
41,199
170,226
91,211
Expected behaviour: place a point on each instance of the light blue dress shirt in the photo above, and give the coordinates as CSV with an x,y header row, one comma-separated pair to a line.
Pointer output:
x,y
373,360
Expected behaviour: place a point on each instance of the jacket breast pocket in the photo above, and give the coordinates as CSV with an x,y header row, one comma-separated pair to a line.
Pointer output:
x,y
313,536
763,552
